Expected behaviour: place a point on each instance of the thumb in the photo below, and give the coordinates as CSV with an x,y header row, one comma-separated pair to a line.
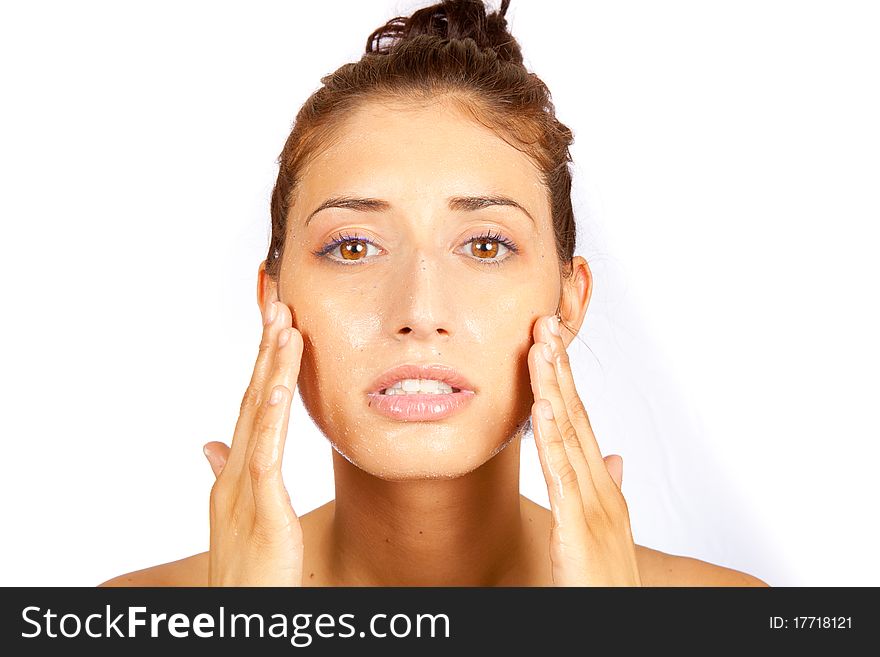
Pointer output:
x,y
216,453
614,464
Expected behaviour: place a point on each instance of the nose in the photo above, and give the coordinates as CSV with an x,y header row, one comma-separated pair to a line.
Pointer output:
x,y
423,304
422,328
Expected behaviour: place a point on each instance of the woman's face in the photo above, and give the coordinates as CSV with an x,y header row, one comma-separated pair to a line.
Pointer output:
x,y
418,281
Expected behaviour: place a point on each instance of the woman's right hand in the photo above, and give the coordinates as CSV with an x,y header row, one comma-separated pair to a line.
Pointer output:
x,y
256,537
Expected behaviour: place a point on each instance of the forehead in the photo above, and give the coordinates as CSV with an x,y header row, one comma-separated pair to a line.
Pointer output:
x,y
404,153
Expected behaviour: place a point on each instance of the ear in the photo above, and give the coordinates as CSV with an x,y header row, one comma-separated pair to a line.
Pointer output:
x,y
576,292
267,289
614,465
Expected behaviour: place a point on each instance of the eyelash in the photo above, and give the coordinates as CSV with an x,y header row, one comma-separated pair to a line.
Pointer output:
x,y
341,238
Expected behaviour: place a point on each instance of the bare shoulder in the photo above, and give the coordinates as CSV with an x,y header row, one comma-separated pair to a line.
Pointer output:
x,y
189,571
661,569
656,568
193,570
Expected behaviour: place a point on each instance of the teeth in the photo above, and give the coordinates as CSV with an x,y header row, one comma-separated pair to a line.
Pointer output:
x,y
412,385
418,386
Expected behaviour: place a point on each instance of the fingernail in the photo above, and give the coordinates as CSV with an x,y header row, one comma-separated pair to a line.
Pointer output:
x,y
283,337
270,314
553,324
548,353
547,410
276,396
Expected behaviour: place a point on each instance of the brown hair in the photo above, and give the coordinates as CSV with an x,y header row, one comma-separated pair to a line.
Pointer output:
x,y
452,49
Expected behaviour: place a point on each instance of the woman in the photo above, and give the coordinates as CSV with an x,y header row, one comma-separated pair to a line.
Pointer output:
x,y
421,290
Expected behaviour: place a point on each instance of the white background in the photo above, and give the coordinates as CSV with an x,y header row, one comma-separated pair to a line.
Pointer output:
x,y
727,175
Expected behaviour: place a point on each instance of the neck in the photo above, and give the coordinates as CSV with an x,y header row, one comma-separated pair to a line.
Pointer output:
x,y
466,531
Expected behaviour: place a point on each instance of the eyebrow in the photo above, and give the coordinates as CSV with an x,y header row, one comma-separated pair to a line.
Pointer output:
x,y
456,203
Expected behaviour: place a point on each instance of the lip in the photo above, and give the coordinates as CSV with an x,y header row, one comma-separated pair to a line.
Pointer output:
x,y
420,407
429,371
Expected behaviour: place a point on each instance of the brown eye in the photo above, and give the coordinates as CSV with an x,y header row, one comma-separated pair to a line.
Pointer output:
x,y
353,249
484,249
491,248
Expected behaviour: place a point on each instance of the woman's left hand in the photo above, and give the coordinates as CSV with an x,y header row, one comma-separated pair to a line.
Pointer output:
x,y
591,540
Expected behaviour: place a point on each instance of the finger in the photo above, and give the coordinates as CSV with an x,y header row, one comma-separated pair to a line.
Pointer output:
x,y
546,386
285,369
562,480
254,395
216,453
272,504
575,410
614,465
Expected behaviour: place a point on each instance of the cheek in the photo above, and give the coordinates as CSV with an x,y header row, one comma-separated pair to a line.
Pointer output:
x,y
346,318
338,360
519,371
335,318
500,357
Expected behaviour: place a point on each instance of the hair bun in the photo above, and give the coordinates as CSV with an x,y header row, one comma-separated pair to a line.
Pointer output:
x,y
451,19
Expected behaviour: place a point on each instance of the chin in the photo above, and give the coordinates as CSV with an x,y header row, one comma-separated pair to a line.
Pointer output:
x,y
406,470
422,451
418,450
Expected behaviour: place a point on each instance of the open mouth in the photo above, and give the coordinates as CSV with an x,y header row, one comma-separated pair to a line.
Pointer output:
x,y
419,406
419,387
420,392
